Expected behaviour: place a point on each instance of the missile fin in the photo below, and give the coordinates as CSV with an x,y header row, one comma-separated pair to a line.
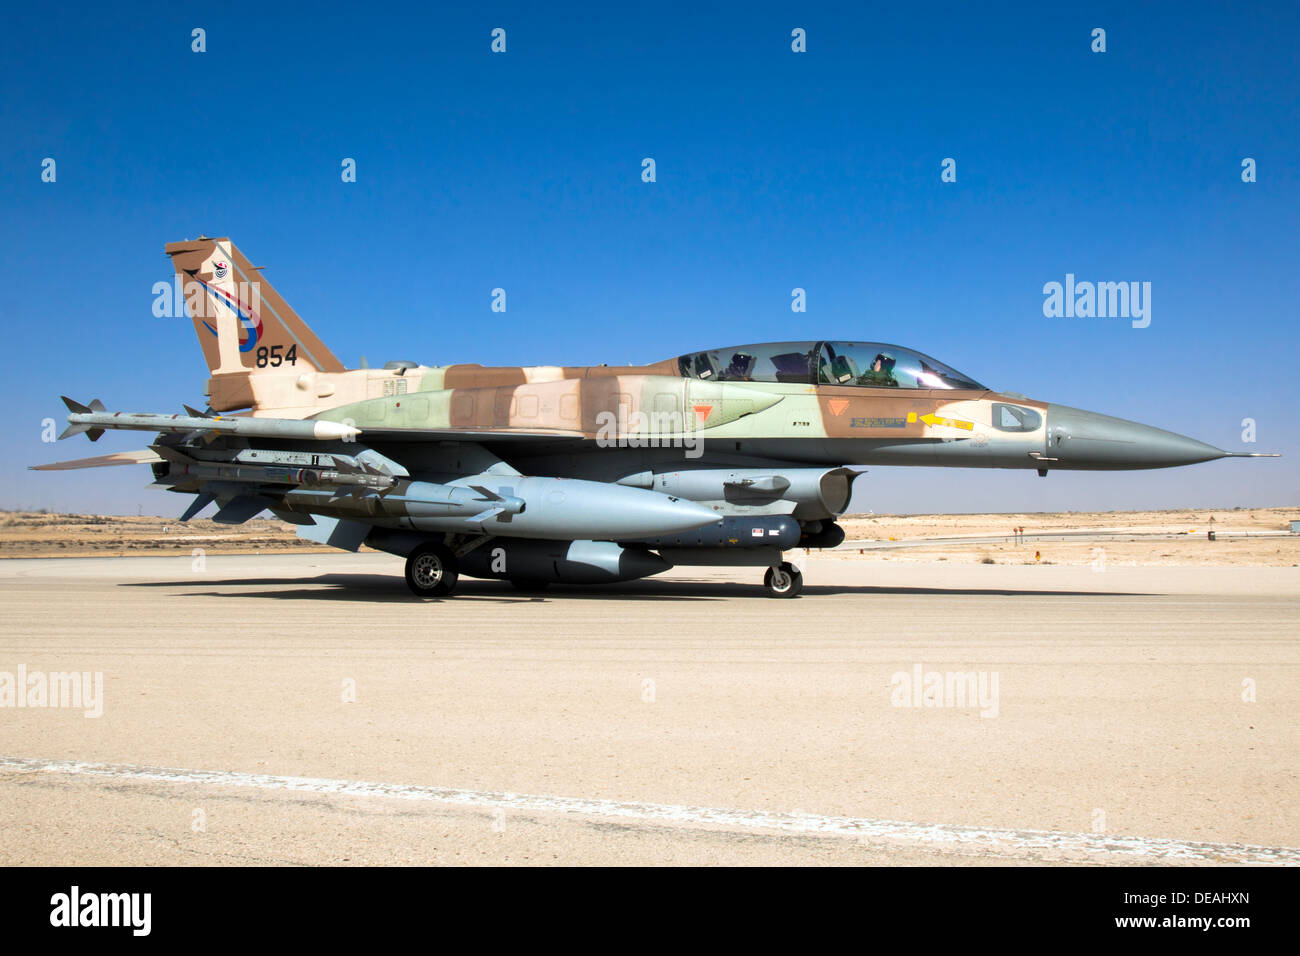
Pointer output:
x,y
201,501
336,532
74,406
240,508
293,517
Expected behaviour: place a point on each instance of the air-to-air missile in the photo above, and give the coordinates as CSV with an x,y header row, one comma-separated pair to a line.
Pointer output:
x,y
94,420
577,474
201,471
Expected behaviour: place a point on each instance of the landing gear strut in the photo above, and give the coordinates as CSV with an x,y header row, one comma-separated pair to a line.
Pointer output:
x,y
431,571
784,581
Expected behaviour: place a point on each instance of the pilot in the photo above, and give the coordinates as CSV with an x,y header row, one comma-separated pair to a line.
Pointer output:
x,y
698,365
881,372
742,364
824,376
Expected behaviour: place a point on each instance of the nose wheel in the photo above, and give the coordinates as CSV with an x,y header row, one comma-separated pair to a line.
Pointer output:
x,y
431,571
783,581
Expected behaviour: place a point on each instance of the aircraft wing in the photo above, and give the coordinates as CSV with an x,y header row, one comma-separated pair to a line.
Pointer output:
x,y
478,435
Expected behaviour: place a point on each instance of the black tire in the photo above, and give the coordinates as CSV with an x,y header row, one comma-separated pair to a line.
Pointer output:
x,y
431,571
783,582
529,585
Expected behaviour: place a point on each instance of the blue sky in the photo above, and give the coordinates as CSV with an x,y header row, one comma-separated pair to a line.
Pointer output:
x,y
819,170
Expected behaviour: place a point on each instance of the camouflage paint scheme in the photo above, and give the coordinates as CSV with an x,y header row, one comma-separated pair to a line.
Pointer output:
x,y
815,423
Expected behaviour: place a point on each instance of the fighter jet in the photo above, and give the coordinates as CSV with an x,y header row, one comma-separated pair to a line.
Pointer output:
x,y
575,474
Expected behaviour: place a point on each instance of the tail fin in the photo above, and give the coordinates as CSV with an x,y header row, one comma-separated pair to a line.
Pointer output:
x,y
243,325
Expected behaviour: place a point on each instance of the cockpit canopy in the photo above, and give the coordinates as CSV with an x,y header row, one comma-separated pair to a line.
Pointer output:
x,y
867,364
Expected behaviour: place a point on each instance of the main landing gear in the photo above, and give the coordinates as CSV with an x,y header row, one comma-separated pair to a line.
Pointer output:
x,y
783,581
431,571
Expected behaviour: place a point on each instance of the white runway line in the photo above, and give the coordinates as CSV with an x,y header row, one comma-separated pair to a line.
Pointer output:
x,y
916,834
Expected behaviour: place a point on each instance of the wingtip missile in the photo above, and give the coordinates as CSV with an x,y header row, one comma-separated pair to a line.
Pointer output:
x,y
93,419
144,456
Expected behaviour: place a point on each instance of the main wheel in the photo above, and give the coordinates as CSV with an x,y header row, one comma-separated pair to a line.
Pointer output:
x,y
431,571
785,581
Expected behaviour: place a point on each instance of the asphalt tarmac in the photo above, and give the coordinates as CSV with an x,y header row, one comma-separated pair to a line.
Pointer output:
x,y
305,709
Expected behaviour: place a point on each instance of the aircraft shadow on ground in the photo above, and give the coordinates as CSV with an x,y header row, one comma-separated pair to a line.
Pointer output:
x,y
387,588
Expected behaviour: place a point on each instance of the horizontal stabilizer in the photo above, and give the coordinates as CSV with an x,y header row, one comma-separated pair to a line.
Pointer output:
x,y
143,457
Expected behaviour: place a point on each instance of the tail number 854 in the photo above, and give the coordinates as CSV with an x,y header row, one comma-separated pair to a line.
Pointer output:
x,y
272,357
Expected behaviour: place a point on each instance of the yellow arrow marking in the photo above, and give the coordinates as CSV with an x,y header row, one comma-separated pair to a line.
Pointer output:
x,y
950,422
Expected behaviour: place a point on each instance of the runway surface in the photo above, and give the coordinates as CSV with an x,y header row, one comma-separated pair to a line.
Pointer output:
x,y
305,709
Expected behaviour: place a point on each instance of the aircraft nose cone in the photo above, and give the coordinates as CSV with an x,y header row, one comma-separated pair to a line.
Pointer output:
x,y
1086,440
